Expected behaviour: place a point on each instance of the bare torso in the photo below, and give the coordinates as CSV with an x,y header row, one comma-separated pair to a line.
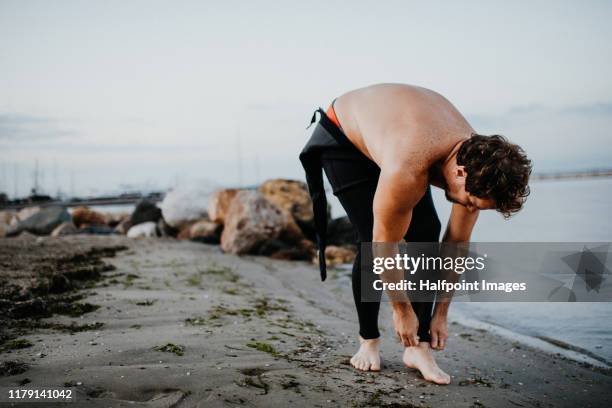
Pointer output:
x,y
410,132
404,124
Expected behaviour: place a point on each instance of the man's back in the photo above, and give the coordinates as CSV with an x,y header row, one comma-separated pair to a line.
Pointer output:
x,y
396,123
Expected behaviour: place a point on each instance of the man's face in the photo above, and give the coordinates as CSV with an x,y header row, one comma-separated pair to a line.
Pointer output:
x,y
456,193
472,203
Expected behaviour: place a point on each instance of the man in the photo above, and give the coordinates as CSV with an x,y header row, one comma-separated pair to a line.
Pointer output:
x,y
381,148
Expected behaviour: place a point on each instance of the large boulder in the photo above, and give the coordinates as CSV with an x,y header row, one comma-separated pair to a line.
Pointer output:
x,y
205,231
24,213
115,218
6,216
145,211
42,222
340,231
337,255
250,221
143,230
84,216
291,233
291,196
219,204
183,206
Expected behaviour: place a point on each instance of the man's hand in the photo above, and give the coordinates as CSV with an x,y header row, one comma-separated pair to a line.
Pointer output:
x,y
439,331
406,326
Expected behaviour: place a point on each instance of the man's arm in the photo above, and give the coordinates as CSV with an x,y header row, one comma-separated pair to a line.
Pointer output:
x,y
460,224
459,229
396,195
397,192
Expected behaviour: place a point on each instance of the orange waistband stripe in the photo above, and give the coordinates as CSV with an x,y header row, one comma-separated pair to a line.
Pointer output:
x,y
331,114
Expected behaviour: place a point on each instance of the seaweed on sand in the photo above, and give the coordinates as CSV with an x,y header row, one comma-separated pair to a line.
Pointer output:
x,y
171,348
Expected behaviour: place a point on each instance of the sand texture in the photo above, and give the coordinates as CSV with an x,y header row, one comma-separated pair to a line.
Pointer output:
x,y
182,324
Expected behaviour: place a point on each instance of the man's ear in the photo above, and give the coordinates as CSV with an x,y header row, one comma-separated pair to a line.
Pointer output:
x,y
460,172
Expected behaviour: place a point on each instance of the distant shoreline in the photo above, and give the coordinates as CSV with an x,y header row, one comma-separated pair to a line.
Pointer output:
x,y
572,175
157,196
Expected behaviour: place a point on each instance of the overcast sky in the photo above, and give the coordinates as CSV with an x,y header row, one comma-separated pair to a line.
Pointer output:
x,y
106,94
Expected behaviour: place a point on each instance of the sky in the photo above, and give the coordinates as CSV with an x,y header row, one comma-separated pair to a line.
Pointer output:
x,y
112,95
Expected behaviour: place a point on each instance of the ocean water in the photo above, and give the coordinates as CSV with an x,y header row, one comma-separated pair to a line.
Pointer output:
x,y
556,211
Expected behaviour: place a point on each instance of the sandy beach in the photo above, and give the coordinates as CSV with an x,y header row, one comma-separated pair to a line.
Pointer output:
x,y
182,324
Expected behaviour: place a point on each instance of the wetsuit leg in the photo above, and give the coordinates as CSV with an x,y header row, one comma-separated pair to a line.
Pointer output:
x,y
354,182
424,227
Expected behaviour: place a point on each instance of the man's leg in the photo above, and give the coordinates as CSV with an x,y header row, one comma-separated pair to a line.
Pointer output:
x,y
355,183
424,227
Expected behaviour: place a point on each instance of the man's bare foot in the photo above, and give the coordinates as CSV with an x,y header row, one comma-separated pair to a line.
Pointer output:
x,y
420,357
368,356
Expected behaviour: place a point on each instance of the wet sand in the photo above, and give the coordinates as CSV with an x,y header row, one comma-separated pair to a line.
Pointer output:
x,y
181,324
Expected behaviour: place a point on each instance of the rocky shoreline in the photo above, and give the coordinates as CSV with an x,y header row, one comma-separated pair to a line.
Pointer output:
x,y
275,219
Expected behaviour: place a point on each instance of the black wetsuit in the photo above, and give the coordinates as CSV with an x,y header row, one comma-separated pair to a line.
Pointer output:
x,y
354,178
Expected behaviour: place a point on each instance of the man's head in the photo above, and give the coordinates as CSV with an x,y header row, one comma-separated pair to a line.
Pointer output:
x,y
490,172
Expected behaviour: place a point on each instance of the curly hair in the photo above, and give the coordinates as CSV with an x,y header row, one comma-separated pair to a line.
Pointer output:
x,y
496,169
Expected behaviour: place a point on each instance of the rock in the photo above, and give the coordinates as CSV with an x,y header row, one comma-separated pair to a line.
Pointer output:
x,y
143,230
83,216
291,196
42,222
336,255
185,232
145,211
304,251
292,233
65,228
114,219
219,203
251,220
6,216
164,229
97,230
25,213
269,247
183,206
124,226
340,231
205,231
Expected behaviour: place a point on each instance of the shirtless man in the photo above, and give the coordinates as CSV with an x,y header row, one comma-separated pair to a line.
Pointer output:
x,y
381,148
